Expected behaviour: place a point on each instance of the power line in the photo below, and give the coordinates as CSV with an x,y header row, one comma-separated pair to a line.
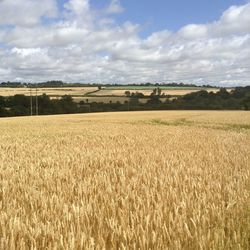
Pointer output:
x,y
31,103
36,102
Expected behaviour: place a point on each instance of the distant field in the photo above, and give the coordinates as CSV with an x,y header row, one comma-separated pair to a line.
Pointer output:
x,y
105,95
147,92
150,88
48,91
139,180
79,91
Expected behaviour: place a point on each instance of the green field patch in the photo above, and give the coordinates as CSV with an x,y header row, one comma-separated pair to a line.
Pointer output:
x,y
185,122
234,127
151,88
177,122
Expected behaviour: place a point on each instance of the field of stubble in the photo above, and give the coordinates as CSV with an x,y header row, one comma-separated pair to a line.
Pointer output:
x,y
140,180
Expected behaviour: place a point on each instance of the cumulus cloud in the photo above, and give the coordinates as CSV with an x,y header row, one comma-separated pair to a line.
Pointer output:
x,y
194,31
114,7
234,21
26,12
81,46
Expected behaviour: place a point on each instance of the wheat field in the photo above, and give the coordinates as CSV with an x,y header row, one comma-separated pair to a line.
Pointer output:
x,y
76,91
147,92
80,91
139,180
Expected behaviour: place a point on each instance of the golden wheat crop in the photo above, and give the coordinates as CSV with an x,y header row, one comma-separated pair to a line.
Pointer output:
x,y
140,180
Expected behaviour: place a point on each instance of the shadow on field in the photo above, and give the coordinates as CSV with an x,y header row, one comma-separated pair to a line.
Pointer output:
x,y
188,123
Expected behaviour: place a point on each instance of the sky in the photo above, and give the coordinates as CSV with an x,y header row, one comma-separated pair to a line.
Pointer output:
x,y
125,41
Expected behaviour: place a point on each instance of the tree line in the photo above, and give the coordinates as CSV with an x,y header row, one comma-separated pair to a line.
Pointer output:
x,y
60,84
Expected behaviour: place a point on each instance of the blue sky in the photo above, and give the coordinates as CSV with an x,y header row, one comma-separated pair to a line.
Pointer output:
x,y
194,41
155,15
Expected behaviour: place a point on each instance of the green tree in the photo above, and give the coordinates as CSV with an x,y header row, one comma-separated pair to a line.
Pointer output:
x,y
127,93
159,91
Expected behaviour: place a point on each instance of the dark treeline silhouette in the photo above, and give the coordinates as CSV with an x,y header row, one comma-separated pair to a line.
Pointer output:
x,y
19,105
48,84
237,99
57,83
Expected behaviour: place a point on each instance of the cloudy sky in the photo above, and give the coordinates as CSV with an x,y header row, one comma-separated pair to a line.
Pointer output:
x,y
126,41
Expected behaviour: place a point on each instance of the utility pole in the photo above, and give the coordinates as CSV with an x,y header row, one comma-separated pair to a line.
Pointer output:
x,y
31,103
36,102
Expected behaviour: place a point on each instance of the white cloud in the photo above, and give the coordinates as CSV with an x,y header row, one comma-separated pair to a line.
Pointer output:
x,y
194,31
26,12
77,7
234,20
78,11
82,46
114,7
